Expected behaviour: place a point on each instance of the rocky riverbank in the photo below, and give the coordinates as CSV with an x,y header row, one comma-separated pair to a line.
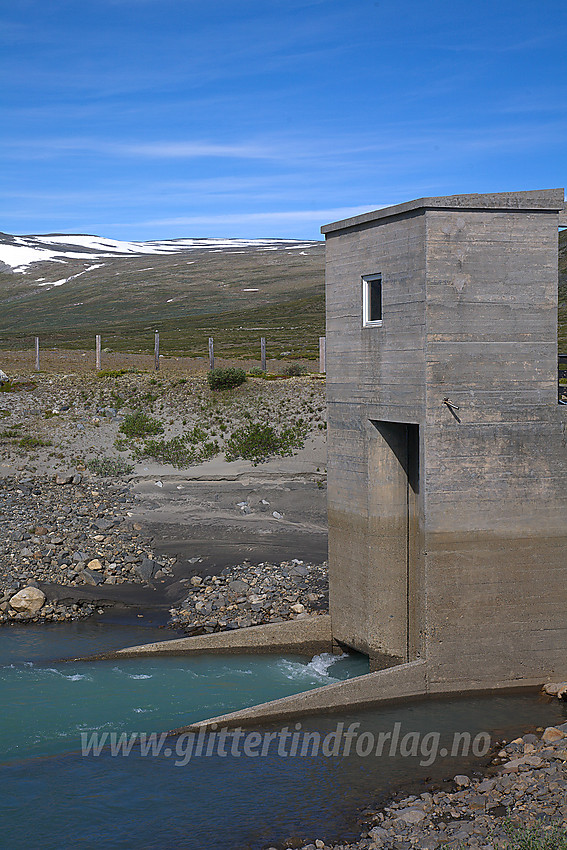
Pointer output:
x,y
76,532
83,497
524,793
246,595
70,532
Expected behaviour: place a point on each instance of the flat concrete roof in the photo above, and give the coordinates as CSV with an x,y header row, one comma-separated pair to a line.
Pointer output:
x,y
551,200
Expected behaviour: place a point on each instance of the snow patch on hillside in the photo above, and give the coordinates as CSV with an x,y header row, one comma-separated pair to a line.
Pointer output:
x,y
20,252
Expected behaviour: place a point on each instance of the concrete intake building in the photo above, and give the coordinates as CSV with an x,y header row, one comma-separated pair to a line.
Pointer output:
x,y
447,458
447,467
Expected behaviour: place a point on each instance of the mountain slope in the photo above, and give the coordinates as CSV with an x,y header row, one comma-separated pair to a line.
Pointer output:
x,y
67,288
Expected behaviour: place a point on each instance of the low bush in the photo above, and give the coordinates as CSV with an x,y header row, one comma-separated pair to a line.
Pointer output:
x,y
258,441
12,433
113,373
256,372
17,386
139,424
185,450
294,370
30,442
109,466
535,837
226,379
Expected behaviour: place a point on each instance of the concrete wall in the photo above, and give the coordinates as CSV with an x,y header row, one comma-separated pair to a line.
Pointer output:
x,y
469,313
372,374
496,482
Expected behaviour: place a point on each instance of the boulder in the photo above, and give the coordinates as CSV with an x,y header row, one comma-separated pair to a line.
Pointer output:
x,y
553,688
29,600
91,577
4,379
146,569
95,564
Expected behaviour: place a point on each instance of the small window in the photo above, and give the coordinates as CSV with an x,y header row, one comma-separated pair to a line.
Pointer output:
x,y
372,300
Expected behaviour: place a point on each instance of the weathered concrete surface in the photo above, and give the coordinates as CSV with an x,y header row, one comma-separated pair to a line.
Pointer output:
x,y
372,690
309,635
538,199
465,567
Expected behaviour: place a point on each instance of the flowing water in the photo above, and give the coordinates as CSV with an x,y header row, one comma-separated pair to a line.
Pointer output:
x,y
52,796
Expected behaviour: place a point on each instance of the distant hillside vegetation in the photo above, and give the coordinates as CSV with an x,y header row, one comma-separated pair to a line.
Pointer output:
x,y
234,290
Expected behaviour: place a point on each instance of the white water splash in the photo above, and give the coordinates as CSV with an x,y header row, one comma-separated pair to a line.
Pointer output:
x,y
317,668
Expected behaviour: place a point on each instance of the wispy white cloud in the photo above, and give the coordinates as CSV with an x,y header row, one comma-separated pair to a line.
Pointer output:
x,y
194,150
275,217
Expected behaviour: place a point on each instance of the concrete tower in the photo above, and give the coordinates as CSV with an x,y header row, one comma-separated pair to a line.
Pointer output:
x,y
447,459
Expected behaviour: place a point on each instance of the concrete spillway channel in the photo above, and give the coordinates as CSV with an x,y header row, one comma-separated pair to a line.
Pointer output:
x,y
308,636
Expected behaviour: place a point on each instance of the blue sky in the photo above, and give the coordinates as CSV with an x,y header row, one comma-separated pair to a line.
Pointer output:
x,y
149,119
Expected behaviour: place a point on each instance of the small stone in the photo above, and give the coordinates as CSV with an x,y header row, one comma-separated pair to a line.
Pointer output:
x,y
277,515
411,815
63,479
298,608
95,564
552,734
461,780
196,580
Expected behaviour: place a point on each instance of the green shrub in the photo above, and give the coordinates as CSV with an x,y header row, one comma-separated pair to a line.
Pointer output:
x,y
182,451
113,373
16,386
225,379
256,372
139,424
294,370
12,433
535,837
257,441
30,442
109,466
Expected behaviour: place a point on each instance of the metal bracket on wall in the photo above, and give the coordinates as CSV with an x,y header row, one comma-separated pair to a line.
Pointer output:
x,y
452,407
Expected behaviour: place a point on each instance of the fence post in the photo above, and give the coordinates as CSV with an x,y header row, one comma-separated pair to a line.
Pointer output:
x,y
156,351
37,354
322,354
97,348
211,353
263,352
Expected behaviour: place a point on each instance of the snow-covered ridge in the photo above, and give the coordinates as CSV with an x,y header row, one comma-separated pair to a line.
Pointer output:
x,y
19,252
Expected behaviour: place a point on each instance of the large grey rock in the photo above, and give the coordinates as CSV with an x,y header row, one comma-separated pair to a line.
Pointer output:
x,y
90,577
29,600
146,569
